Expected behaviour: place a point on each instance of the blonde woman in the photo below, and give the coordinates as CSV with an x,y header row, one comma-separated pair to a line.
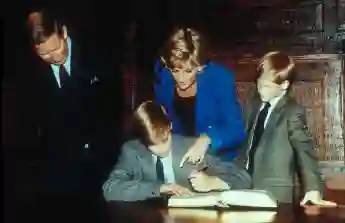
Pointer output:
x,y
199,96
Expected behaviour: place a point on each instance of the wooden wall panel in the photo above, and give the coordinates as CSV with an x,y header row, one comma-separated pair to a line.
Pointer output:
x,y
334,123
310,95
243,92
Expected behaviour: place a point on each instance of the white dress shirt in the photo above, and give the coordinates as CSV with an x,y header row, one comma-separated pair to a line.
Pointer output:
x,y
273,104
67,64
169,175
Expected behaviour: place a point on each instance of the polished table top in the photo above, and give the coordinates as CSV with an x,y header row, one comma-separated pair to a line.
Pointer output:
x,y
130,212
85,209
157,212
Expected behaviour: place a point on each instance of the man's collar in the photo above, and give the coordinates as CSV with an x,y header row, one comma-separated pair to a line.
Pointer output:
x,y
275,100
67,63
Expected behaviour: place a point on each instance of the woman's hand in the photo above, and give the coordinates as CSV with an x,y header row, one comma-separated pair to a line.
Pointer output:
x,y
197,151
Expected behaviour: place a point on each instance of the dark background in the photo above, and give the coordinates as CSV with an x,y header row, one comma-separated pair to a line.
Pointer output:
x,y
230,25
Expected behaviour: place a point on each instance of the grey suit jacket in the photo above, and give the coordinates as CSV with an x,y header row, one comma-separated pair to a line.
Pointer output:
x,y
134,176
284,145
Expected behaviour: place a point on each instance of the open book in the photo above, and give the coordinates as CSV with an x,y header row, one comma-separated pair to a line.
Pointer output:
x,y
245,198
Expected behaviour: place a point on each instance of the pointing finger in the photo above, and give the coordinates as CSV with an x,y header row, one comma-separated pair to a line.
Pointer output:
x,y
183,160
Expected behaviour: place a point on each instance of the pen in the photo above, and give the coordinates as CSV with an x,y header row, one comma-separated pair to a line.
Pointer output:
x,y
309,202
199,170
203,168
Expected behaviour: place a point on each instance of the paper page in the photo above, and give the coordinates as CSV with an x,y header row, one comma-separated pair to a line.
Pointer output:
x,y
248,216
249,198
197,200
185,214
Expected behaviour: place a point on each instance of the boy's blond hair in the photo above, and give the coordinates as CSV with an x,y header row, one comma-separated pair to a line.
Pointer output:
x,y
152,123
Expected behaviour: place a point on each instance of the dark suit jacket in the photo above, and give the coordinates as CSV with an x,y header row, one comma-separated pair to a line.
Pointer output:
x,y
134,176
284,145
75,123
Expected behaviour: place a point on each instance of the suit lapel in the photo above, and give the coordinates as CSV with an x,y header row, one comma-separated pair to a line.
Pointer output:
x,y
145,158
252,112
48,75
252,116
273,120
76,73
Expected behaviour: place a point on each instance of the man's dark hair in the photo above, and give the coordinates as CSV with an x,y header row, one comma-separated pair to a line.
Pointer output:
x,y
42,24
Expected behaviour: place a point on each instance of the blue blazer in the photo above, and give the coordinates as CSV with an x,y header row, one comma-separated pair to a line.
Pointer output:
x,y
218,113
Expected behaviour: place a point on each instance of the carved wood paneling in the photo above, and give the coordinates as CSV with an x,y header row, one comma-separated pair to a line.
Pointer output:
x,y
310,95
243,92
341,15
334,123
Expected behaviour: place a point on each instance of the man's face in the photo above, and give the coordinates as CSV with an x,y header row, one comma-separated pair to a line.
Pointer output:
x,y
162,149
54,50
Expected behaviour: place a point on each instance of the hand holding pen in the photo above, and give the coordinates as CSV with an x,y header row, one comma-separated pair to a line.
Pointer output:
x,y
202,182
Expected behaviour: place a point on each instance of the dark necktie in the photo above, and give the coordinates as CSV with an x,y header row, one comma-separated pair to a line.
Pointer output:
x,y
159,169
63,75
259,129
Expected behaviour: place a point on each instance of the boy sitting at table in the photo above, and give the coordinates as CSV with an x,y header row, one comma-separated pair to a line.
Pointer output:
x,y
149,166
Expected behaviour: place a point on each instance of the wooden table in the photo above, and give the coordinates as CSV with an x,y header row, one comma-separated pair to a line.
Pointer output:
x,y
157,212
142,213
86,209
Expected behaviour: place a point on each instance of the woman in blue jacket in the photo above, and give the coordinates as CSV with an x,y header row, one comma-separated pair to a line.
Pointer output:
x,y
199,97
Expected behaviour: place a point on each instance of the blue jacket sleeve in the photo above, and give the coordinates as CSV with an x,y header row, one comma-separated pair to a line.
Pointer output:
x,y
229,131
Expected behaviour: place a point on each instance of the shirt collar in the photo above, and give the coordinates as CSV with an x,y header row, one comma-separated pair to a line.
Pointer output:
x,y
273,102
67,63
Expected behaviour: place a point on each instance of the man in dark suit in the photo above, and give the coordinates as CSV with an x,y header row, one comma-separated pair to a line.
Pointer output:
x,y
278,138
74,116
149,166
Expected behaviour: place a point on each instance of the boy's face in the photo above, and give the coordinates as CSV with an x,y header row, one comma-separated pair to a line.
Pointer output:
x,y
269,90
266,83
162,149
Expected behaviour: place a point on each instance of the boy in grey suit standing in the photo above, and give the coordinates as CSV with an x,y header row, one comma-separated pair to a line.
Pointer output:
x,y
150,165
278,138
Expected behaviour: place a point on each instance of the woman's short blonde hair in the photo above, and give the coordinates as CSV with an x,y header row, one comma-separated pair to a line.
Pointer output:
x,y
184,45
151,123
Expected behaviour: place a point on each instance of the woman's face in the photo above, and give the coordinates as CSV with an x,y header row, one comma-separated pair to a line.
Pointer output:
x,y
184,75
184,63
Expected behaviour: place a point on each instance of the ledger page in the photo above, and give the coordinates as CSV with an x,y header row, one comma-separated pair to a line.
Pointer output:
x,y
249,198
197,200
